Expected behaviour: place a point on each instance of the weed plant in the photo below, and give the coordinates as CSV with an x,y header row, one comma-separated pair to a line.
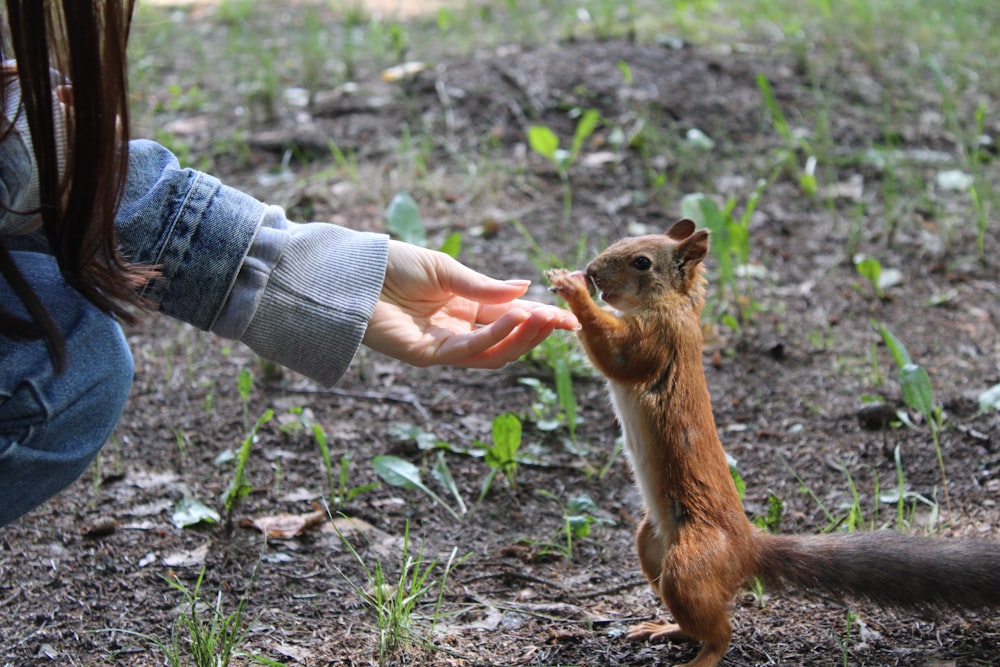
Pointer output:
x,y
544,141
578,517
918,394
239,488
501,454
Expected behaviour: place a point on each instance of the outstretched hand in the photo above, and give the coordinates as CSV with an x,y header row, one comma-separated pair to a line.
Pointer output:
x,y
434,310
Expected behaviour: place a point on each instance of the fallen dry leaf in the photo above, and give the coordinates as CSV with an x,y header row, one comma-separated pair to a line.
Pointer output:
x,y
285,526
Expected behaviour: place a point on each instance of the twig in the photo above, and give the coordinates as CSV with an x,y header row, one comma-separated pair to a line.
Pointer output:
x,y
611,589
409,399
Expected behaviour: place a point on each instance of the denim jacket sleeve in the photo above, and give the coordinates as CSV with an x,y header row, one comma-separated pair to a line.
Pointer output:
x,y
300,295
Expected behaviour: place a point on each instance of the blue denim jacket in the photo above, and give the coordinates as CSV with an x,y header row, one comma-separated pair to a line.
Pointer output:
x,y
300,295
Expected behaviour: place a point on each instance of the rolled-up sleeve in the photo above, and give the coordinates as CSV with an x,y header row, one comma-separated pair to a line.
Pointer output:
x,y
190,226
319,296
299,295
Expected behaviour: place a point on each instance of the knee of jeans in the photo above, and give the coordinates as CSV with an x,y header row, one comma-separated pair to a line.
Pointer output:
x,y
106,362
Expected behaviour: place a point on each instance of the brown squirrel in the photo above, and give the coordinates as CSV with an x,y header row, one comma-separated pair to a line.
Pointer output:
x,y
696,546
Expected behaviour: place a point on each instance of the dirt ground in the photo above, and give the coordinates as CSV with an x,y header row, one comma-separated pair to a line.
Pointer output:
x,y
82,579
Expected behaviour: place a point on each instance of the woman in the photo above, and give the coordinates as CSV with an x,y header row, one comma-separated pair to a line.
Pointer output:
x,y
92,224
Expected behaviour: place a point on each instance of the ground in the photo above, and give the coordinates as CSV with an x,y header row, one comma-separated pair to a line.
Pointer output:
x,y
85,578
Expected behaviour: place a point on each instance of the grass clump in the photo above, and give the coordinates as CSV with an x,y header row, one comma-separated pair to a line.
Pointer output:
x,y
397,602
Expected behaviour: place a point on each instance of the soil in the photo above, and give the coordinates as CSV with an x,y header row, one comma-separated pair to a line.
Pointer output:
x,y
85,577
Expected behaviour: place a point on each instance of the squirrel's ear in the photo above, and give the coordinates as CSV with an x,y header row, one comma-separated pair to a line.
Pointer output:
x,y
681,229
694,248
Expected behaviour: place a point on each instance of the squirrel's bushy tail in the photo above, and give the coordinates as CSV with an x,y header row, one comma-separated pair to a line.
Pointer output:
x,y
885,567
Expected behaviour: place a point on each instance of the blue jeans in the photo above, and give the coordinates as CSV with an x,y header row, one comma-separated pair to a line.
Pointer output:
x,y
52,426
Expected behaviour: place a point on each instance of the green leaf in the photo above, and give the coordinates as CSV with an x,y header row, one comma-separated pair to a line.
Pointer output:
x,y
580,504
775,513
191,512
423,439
400,472
741,486
584,128
442,473
452,245
579,524
896,348
544,142
564,390
506,440
404,221
990,399
870,269
244,383
626,71
917,391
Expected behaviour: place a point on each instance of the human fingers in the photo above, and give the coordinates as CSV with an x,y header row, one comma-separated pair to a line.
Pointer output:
x,y
499,348
474,349
561,317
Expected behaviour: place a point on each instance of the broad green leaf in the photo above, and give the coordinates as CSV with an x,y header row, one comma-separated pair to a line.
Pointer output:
x,y
191,512
424,439
870,269
741,486
579,524
452,245
990,399
404,222
917,390
543,141
506,438
400,472
580,504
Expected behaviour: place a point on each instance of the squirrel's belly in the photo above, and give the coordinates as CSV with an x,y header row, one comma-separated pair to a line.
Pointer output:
x,y
637,448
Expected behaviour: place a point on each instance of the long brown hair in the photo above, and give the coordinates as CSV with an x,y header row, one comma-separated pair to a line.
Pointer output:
x,y
84,40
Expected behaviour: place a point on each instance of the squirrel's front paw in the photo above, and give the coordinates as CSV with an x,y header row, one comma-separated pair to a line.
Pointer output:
x,y
565,282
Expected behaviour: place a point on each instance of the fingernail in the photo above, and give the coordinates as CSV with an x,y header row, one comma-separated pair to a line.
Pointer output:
x,y
518,283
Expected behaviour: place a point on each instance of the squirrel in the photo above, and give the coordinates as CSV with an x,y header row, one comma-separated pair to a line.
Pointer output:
x,y
695,544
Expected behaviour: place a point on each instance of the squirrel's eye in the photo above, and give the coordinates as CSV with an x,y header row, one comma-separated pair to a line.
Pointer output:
x,y
642,263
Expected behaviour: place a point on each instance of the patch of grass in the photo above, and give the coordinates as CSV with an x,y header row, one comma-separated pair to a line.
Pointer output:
x,y
204,634
733,304
396,601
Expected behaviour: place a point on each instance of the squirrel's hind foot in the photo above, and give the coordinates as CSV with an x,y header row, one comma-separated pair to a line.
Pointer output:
x,y
656,631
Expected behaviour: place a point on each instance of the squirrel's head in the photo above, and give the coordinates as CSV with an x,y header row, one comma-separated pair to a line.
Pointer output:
x,y
644,271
